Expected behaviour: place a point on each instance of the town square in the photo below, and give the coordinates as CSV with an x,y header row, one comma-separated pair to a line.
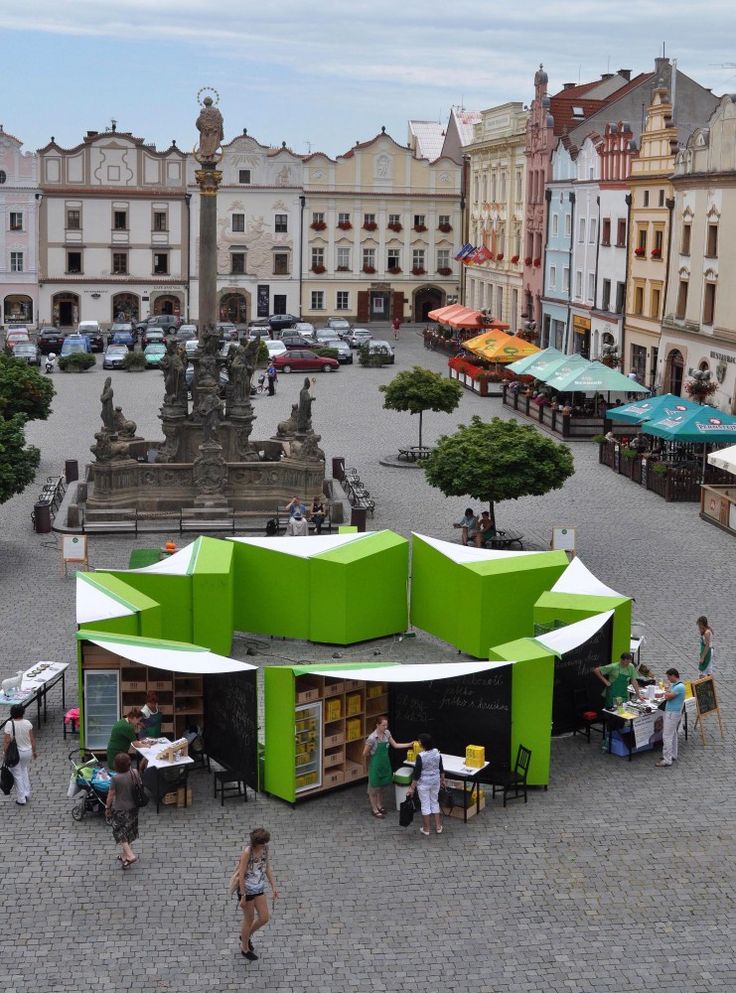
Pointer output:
x,y
303,692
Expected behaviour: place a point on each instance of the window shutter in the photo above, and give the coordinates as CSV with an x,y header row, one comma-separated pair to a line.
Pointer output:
x,y
397,305
362,305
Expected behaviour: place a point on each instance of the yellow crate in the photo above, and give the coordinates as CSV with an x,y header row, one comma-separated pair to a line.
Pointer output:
x,y
354,704
374,690
475,756
333,709
353,729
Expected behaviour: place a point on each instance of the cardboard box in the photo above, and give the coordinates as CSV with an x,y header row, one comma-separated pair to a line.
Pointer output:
x,y
475,756
353,729
333,709
184,797
333,689
354,704
374,690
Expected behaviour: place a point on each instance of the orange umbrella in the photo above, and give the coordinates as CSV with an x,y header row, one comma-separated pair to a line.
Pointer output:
x,y
442,313
497,346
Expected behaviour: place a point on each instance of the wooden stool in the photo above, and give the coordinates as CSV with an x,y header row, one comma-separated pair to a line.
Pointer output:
x,y
229,784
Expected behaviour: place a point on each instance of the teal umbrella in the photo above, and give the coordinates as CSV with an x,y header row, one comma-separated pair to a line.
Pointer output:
x,y
558,365
594,377
651,409
523,365
702,424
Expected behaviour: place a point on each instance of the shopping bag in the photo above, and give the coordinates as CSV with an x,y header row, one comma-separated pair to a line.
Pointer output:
x,y
406,812
6,779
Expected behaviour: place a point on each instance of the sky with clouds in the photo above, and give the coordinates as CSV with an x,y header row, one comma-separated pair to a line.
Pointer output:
x,y
325,74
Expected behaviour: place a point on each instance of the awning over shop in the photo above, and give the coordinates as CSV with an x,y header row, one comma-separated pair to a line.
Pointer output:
x,y
703,424
651,409
724,459
457,316
397,673
497,346
536,360
442,313
173,656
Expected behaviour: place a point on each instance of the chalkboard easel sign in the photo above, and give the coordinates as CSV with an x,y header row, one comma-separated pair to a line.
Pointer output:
x,y
706,702
231,722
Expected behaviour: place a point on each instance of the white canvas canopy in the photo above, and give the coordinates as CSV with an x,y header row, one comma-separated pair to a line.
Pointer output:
x,y
307,546
97,604
181,563
463,554
577,578
725,458
421,673
173,656
573,635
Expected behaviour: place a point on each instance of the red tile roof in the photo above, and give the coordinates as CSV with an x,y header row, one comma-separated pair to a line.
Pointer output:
x,y
562,103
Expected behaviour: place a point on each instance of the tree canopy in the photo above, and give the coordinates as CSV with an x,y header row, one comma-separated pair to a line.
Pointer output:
x,y
417,390
498,460
18,462
25,395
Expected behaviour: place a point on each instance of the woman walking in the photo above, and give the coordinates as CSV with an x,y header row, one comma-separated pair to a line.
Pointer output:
x,y
428,776
22,730
121,809
253,871
705,661
380,773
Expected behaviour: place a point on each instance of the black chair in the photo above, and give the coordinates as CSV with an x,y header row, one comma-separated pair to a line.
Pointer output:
x,y
230,783
510,780
587,718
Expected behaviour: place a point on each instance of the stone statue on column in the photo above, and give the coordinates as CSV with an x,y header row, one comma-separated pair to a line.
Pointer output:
x,y
211,132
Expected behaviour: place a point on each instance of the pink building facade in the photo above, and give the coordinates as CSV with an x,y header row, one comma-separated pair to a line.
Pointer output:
x,y
539,142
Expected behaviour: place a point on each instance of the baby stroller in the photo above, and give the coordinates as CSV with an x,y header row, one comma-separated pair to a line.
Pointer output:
x,y
261,382
88,784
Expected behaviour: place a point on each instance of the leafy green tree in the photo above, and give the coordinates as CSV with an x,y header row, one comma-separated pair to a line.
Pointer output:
x,y
498,460
18,462
23,390
417,390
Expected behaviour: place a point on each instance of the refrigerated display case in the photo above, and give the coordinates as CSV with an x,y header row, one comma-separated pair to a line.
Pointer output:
x,y
101,706
308,746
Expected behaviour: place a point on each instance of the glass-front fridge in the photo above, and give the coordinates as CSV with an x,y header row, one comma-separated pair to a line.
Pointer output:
x,y
101,708
308,735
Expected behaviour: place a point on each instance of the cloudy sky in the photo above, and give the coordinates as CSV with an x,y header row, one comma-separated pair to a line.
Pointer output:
x,y
324,74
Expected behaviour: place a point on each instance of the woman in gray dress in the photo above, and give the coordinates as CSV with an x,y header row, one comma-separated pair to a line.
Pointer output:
x,y
121,810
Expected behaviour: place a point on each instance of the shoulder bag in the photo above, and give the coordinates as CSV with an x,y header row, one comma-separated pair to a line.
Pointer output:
x,y
140,796
406,811
6,779
12,755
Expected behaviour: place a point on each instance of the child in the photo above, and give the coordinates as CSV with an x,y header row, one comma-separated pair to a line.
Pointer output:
x,y
254,869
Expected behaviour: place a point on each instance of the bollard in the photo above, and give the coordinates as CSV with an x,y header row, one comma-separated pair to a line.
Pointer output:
x,y
357,518
42,518
71,470
338,469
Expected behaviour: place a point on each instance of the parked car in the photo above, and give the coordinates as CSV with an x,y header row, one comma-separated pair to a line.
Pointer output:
x,y
153,335
323,334
227,330
280,321
75,343
28,352
344,351
93,332
113,357
168,323
49,340
117,327
296,341
16,336
187,332
304,328
257,331
275,348
377,345
340,324
191,346
358,337
123,338
304,361
225,348
224,379
154,354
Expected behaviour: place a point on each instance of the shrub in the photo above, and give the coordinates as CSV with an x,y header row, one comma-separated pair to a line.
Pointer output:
x,y
659,468
135,362
263,358
629,453
77,362
326,353
375,358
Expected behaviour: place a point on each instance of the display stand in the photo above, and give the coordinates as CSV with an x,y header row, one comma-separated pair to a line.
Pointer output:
x,y
706,702
74,551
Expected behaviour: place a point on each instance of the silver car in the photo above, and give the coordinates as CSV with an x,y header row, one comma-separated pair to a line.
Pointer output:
x,y
344,352
359,336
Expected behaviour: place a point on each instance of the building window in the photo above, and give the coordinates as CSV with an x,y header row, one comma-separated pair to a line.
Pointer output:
x,y
565,280
280,223
639,361
393,259
661,198
237,263
606,295
568,225
73,219
369,260
581,230
591,287
237,223
519,186
16,220
161,263
606,231
681,300
281,263
656,301
119,263
343,219
503,187
394,220
593,232
419,221
342,300
318,300
16,261
74,262
369,221
120,220
645,198
711,248
244,176
160,220
443,258
343,259
642,239
621,233
578,285
417,258
685,239
639,299
709,303
318,219
658,241
318,258
555,225
620,291
443,221
552,276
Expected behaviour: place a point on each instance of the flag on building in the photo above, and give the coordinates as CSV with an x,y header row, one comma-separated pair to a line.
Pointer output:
x,y
464,251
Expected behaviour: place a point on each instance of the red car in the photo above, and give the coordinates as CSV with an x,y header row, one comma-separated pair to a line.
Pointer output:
x,y
301,360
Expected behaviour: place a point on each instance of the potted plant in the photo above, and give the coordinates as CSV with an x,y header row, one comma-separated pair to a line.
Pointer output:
x,y
445,228
656,253
369,226
344,225
394,270
318,269
77,362
514,259
318,225
499,257
420,227
701,386
395,226
343,268
528,260
639,252
418,270
445,271
537,263
369,269
610,356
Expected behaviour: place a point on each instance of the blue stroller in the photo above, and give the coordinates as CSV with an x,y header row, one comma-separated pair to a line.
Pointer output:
x,y
89,783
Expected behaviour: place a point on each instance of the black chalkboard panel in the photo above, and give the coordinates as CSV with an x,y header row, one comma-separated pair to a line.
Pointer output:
x,y
705,695
466,710
576,688
231,722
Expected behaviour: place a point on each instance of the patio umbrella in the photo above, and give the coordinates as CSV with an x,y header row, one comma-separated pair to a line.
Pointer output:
x,y
497,346
561,369
442,313
725,458
522,365
595,378
704,424
651,409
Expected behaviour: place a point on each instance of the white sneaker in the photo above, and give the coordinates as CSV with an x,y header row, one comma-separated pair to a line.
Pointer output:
x,y
425,833
439,830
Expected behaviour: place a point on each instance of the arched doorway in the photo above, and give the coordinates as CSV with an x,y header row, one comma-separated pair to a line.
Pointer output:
x,y
167,303
17,309
427,298
675,369
65,310
126,307
234,306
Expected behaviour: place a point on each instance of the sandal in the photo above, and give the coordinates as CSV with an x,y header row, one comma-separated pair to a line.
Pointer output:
x,y
128,862
378,814
382,810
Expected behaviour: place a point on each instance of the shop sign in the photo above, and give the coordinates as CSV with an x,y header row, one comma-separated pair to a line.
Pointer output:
x,y
580,325
262,298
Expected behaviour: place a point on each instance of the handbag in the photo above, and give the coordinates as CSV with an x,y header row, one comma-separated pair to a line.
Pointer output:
x,y
406,812
140,797
6,779
12,755
445,798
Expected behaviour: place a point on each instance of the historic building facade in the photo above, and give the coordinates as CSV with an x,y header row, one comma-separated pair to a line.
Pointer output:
x,y
497,191
18,233
584,265
113,230
699,324
381,227
556,253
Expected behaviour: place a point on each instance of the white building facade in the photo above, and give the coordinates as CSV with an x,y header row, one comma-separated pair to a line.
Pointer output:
x,y
585,249
18,233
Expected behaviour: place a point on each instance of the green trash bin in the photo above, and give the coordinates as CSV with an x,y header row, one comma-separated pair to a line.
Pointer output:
x,y
402,781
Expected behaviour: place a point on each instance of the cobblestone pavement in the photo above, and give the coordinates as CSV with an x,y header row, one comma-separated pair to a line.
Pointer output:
x,y
620,878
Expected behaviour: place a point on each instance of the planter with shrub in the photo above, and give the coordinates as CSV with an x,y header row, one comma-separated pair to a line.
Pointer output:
x,y
371,359
77,362
135,362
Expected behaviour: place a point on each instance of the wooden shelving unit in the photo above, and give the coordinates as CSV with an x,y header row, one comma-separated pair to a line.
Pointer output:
x,y
188,703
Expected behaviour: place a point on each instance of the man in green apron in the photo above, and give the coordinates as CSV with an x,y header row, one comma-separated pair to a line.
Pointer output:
x,y
616,678
380,773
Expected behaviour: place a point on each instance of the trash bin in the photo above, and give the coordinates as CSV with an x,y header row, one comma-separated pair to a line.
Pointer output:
x,y
402,781
338,469
357,518
41,518
71,470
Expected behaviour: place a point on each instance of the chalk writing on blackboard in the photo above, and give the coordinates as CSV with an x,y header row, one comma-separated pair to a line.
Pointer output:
x,y
231,722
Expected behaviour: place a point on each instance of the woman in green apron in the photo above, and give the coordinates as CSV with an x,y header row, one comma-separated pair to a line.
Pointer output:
x,y
380,773
705,659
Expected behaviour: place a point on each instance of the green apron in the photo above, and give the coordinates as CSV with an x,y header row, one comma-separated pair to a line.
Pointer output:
x,y
380,772
619,687
707,658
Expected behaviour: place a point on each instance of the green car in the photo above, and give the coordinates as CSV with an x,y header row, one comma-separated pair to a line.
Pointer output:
x,y
154,353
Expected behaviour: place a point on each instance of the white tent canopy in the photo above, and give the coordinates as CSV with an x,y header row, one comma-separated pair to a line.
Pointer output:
x,y
181,563
463,554
307,546
573,635
577,578
97,604
173,656
420,673
724,458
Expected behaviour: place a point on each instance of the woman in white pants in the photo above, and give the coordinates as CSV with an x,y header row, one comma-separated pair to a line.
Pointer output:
x,y
427,778
22,730
674,702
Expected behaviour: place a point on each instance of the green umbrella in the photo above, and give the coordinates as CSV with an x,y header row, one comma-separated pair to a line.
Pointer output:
x,y
651,409
594,378
702,424
557,364
523,365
